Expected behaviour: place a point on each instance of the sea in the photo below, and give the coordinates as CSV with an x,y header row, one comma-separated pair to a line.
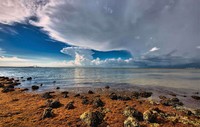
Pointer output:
x,y
182,82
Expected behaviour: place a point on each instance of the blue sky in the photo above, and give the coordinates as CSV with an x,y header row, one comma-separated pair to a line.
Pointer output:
x,y
136,33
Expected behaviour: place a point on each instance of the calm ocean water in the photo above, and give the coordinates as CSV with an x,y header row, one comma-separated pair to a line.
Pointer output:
x,y
182,82
97,77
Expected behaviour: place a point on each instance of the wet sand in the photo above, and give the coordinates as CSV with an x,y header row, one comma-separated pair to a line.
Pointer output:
x,y
19,108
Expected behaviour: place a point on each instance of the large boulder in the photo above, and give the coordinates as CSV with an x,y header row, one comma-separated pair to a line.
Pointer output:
x,y
92,119
149,116
132,112
131,122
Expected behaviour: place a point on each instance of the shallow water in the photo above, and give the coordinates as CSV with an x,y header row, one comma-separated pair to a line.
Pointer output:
x,y
182,82
97,77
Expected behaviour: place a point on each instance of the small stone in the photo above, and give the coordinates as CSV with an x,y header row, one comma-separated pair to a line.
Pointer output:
x,y
196,97
29,78
162,97
41,84
25,89
47,95
54,81
1,85
107,87
124,98
65,95
77,95
53,103
113,96
64,92
34,87
85,101
92,119
5,90
135,94
90,92
172,94
47,113
57,88
70,105
197,112
98,103
145,94
131,122
174,99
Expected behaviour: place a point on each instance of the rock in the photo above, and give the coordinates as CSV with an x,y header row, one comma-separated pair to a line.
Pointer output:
x,y
47,95
196,92
98,102
172,94
150,116
77,95
171,102
107,87
162,97
85,101
135,94
53,103
196,97
187,112
92,119
29,78
132,112
16,83
113,96
90,92
34,87
131,122
25,89
54,81
174,99
41,84
10,86
57,88
70,105
145,94
1,85
124,98
5,90
47,113
197,112
65,94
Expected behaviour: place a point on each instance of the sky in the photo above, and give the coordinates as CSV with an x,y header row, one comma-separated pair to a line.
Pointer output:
x,y
100,33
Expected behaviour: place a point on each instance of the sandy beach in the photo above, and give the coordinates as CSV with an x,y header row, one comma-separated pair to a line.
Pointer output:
x,y
102,107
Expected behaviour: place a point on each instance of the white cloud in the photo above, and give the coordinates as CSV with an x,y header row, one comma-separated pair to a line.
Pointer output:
x,y
11,59
154,49
134,25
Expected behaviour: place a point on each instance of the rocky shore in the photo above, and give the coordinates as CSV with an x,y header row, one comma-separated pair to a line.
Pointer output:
x,y
107,108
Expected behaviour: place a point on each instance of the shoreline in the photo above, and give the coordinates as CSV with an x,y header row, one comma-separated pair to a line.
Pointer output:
x,y
102,107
